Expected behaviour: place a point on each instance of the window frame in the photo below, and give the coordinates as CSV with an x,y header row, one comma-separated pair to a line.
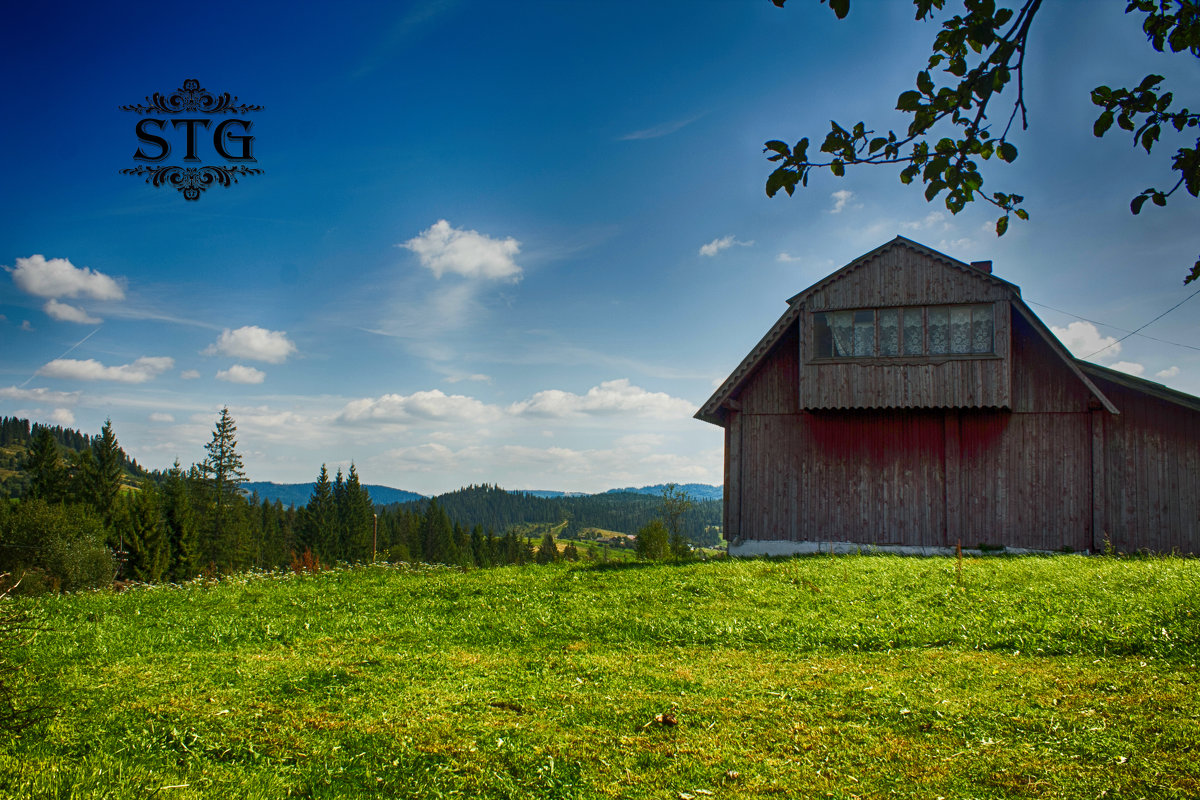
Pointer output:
x,y
901,357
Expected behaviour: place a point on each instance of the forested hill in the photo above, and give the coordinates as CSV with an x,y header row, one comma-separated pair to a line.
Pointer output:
x,y
697,491
298,494
625,512
16,434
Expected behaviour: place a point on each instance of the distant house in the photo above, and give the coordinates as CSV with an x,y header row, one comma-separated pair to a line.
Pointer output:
x,y
913,401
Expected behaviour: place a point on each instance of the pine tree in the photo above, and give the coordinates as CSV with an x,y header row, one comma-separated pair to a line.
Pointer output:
x,y
182,535
479,550
570,552
44,464
223,477
339,505
319,529
145,539
104,477
358,518
438,536
548,551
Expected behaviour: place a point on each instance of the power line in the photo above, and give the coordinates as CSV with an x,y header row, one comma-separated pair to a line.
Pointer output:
x,y
1148,324
1110,325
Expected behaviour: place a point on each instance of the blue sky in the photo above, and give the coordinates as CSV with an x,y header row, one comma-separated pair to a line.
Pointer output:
x,y
516,243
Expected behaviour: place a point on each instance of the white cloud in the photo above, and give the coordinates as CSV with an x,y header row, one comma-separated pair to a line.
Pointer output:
x,y
443,249
723,243
190,374
159,416
1083,339
427,406
25,326
1131,367
65,312
841,201
62,416
253,342
787,258
140,371
610,397
478,376
1169,372
58,277
41,396
930,220
664,129
239,373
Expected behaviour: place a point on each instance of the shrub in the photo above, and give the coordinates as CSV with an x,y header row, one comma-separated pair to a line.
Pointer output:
x,y
653,541
66,543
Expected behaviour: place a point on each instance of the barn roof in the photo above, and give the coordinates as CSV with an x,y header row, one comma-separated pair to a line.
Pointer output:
x,y
715,407
1140,384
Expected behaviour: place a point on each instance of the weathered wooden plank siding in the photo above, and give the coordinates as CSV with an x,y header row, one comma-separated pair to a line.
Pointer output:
x,y
1041,382
774,388
1151,473
1025,480
962,383
907,383
846,476
900,276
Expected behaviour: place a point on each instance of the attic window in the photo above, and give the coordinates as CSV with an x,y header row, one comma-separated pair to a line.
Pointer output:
x,y
913,331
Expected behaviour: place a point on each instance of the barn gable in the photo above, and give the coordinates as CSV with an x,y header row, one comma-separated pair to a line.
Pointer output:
x,y
900,327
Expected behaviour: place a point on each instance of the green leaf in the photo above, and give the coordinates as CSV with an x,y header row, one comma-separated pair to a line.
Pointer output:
x,y
924,83
1002,225
1103,123
837,168
1149,137
1007,152
840,7
1022,213
777,146
1138,202
908,101
876,143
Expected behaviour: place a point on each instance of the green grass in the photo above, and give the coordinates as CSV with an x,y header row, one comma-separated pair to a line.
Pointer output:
x,y
821,677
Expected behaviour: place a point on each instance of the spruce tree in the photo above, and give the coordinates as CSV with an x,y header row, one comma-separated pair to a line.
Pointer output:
x,y
358,518
44,465
437,536
145,540
548,550
183,538
104,476
571,552
319,529
223,477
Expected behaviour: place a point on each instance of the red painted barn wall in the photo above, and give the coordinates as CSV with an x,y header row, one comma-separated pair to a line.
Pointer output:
x,y
918,477
1151,472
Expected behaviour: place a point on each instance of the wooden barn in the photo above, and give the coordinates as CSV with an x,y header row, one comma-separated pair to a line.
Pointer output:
x,y
913,402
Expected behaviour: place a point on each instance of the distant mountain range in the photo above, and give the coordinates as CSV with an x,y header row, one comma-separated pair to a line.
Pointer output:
x,y
297,494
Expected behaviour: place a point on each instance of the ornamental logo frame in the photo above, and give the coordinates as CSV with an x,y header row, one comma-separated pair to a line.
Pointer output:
x,y
193,177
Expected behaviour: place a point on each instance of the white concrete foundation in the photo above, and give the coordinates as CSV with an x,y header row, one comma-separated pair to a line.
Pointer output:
x,y
782,547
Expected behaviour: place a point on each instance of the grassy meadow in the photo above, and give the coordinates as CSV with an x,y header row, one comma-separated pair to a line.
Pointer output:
x,y
846,677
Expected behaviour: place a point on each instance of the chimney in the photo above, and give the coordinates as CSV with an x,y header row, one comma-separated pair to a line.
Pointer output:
x,y
982,266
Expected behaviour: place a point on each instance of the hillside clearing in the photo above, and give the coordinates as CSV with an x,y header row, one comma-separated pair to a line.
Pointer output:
x,y
843,677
